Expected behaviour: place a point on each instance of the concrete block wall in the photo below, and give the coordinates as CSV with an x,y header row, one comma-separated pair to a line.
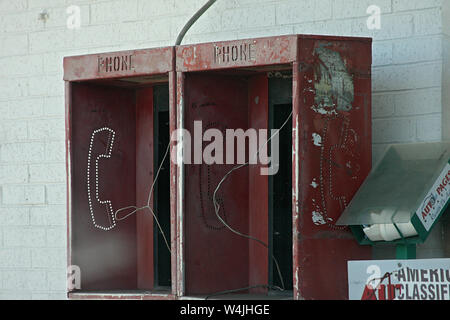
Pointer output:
x,y
446,96
407,101
446,68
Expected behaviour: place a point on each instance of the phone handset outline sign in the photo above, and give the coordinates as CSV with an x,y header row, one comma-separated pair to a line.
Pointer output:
x,y
93,175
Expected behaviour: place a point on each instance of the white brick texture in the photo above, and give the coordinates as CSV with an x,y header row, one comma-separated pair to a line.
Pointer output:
x,y
408,75
446,69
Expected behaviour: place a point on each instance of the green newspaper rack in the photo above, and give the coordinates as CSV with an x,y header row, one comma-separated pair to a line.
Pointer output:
x,y
402,198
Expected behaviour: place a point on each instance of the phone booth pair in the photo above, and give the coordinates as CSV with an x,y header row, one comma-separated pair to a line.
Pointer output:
x,y
232,229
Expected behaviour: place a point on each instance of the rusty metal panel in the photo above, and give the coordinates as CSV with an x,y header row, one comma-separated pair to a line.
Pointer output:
x,y
103,159
258,188
323,267
180,187
235,54
331,147
173,180
119,64
331,154
215,259
121,258
296,105
144,174
332,157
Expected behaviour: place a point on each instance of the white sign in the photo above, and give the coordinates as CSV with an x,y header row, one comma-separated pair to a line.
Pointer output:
x,y
399,279
435,200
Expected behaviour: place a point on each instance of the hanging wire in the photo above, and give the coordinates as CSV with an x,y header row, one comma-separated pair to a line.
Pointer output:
x,y
150,194
180,37
217,208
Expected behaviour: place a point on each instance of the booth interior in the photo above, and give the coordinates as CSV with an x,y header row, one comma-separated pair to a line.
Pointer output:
x,y
250,251
120,134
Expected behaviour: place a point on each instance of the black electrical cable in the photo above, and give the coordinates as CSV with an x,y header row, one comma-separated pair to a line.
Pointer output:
x,y
191,21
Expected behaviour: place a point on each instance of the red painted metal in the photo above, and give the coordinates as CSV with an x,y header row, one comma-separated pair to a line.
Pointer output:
x,y
235,54
338,164
107,258
331,155
296,166
144,174
173,180
114,90
133,63
180,241
258,187
215,260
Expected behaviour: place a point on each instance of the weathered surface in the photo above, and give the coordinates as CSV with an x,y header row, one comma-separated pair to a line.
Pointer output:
x,y
234,54
119,64
332,130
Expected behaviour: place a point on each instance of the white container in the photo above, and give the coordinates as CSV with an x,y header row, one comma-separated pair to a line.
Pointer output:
x,y
388,232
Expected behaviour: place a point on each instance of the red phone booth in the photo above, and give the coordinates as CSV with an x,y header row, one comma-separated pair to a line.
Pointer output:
x,y
279,230
119,110
318,90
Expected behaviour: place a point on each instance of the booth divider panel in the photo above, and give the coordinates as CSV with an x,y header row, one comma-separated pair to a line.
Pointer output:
x,y
216,258
107,259
144,180
258,102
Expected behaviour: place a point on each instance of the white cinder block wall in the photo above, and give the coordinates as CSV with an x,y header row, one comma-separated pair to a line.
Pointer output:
x,y
446,68
407,104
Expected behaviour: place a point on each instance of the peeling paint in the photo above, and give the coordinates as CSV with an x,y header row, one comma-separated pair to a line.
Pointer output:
x,y
180,286
314,184
324,111
297,169
334,85
317,139
317,218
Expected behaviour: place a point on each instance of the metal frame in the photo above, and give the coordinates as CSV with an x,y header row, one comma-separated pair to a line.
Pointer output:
x,y
261,53
157,62
267,53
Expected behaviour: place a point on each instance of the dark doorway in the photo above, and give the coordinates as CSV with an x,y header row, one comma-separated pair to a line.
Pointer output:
x,y
161,198
280,185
